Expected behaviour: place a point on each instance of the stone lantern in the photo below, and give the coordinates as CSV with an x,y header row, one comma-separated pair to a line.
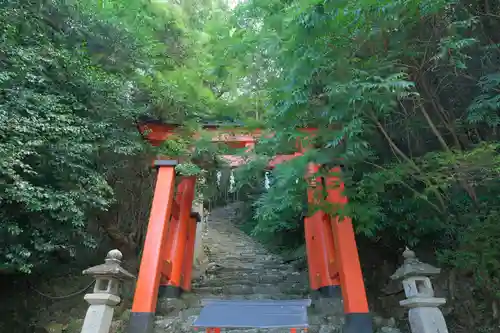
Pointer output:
x,y
424,314
106,294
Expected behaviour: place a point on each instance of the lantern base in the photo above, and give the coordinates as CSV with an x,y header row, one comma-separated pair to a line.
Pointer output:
x,y
141,322
358,323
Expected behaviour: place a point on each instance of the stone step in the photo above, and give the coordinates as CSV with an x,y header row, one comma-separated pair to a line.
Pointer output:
x,y
224,290
224,270
250,279
252,297
241,251
231,251
244,270
257,264
253,255
241,289
253,260
276,282
255,268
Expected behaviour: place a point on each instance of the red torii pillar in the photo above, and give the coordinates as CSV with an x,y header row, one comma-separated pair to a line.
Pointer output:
x,y
179,242
323,271
166,269
152,261
187,266
323,274
358,318
332,252
168,249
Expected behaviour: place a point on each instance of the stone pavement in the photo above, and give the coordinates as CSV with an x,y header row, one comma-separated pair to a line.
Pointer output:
x,y
240,268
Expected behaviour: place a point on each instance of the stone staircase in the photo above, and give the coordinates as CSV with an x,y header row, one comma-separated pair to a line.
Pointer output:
x,y
242,269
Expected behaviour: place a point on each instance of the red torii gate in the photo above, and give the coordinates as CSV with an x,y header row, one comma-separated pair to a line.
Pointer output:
x,y
167,259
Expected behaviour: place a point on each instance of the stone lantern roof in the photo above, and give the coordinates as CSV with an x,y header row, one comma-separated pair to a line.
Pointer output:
x,y
110,268
413,267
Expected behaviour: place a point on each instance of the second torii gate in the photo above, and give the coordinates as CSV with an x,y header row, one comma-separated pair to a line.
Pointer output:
x,y
167,259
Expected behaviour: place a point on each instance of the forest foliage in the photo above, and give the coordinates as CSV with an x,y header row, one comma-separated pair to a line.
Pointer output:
x,y
76,77
404,93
